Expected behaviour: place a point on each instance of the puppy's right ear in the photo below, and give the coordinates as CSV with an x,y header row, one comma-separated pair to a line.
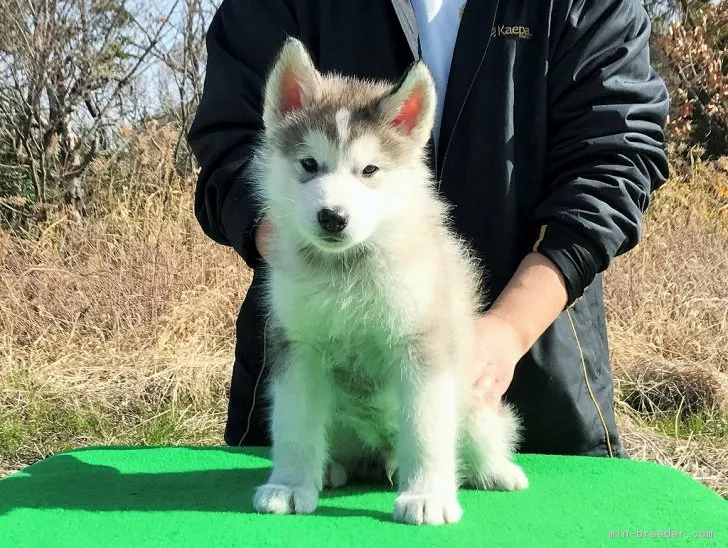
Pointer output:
x,y
293,83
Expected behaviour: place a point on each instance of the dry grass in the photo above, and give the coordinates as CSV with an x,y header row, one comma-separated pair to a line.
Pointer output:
x,y
667,308
669,297
656,387
702,456
120,329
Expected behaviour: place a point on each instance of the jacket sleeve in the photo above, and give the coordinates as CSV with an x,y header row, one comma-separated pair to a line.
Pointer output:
x,y
605,151
242,42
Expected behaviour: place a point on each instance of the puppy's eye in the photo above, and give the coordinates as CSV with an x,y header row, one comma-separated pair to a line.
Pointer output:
x,y
369,170
310,165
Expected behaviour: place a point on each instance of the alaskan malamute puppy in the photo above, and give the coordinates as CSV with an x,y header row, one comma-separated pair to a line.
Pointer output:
x,y
372,301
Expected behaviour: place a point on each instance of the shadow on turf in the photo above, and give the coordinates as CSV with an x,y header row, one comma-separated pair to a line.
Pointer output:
x,y
66,482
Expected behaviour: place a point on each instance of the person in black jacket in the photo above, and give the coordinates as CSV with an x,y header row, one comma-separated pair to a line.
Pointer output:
x,y
549,146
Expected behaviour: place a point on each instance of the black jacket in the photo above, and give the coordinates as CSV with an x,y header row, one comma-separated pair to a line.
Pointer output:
x,y
551,140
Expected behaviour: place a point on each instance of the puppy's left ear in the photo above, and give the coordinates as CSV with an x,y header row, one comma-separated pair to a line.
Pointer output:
x,y
410,106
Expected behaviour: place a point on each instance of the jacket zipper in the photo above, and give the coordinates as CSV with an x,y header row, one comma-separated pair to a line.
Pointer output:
x,y
465,99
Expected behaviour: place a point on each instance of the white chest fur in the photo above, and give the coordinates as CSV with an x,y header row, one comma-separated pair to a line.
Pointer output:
x,y
355,329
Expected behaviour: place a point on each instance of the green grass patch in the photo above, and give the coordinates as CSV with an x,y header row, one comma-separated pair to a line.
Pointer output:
x,y
43,427
705,424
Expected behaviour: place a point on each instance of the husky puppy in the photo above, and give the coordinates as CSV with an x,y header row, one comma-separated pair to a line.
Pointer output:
x,y
371,301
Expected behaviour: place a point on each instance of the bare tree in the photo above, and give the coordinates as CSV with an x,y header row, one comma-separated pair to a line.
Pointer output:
x,y
65,66
663,12
184,60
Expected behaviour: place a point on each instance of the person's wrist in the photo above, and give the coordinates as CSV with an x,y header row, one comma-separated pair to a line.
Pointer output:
x,y
507,329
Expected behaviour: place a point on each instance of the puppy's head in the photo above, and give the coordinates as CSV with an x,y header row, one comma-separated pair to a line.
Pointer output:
x,y
344,155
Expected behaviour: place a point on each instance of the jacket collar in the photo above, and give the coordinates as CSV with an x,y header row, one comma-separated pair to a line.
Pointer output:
x,y
406,16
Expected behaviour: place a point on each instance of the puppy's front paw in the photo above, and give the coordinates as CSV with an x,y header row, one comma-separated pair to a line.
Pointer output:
x,y
426,509
282,499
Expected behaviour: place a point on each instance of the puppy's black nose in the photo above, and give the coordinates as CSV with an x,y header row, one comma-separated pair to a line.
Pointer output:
x,y
333,220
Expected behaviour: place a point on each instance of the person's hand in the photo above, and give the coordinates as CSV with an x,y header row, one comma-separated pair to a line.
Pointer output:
x,y
263,236
499,346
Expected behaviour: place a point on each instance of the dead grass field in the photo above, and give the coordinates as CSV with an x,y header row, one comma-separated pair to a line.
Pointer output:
x,y
667,308
120,330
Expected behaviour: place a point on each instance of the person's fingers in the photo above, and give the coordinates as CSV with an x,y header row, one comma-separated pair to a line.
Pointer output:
x,y
262,237
484,384
482,389
489,398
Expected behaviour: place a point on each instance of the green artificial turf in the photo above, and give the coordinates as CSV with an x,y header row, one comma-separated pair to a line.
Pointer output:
x,y
188,496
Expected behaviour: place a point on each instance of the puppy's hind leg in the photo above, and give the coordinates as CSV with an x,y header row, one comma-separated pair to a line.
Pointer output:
x,y
490,437
335,475
301,402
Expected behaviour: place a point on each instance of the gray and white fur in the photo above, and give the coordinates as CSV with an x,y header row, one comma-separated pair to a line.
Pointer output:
x,y
371,301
